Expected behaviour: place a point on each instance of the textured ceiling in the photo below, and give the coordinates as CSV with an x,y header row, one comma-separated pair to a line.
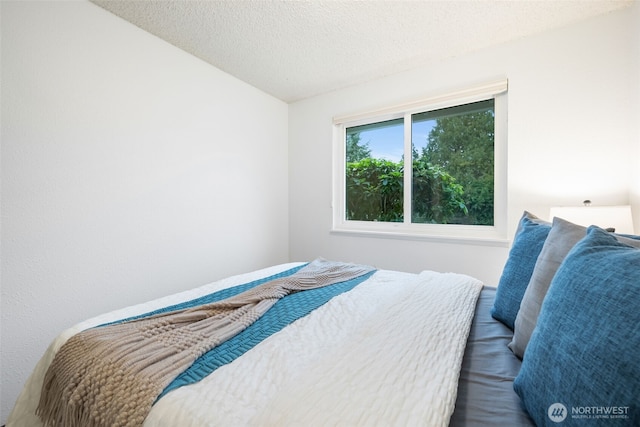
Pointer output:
x,y
297,49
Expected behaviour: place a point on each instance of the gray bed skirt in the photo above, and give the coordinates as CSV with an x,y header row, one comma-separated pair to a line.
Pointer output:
x,y
485,389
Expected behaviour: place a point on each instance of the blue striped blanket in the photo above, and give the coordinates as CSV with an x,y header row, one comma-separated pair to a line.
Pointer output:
x,y
285,311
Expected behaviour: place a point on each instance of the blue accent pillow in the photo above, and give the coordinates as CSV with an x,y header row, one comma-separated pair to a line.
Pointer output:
x,y
582,362
527,244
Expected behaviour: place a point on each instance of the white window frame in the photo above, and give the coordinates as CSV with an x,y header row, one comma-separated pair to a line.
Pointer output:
x,y
454,233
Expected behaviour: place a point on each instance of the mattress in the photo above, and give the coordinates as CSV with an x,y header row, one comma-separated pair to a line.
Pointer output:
x,y
400,363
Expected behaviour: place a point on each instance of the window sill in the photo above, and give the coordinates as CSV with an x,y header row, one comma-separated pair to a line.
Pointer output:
x,y
436,238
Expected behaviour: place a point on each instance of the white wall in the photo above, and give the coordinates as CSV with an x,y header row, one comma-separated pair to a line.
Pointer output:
x,y
635,190
130,170
573,121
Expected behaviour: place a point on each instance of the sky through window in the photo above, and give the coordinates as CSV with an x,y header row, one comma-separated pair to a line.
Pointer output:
x,y
387,143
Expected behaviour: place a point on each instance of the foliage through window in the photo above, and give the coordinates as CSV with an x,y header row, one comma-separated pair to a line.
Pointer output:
x,y
451,174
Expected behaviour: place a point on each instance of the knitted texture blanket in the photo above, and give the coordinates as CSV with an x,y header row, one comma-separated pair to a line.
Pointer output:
x,y
111,375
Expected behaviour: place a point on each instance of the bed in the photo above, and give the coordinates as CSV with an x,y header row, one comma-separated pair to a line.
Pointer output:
x,y
395,348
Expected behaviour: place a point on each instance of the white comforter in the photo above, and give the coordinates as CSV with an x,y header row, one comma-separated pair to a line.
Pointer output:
x,y
386,353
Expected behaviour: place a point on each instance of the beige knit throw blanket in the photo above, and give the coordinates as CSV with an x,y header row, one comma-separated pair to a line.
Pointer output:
x,y
111,375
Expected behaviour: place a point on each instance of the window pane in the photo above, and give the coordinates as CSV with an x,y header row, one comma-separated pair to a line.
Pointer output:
x,y
453,164
374,172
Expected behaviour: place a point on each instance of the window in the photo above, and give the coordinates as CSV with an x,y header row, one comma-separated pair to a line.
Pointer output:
x,y
431,168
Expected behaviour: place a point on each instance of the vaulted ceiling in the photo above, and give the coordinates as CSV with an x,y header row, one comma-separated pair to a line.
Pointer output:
x,y
297,49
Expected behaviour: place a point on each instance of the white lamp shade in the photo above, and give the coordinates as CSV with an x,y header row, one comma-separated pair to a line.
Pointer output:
x,y
618,217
